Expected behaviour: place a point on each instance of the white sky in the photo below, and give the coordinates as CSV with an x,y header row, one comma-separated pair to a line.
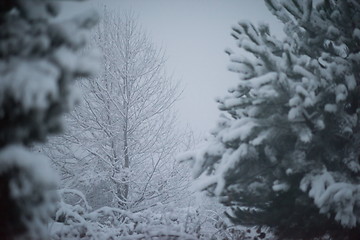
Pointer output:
x,y
194,34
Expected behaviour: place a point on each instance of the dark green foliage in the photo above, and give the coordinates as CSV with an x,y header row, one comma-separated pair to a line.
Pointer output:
x,y
38,63
286,152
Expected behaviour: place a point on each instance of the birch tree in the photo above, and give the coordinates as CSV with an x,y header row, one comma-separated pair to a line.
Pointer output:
x,y
120,144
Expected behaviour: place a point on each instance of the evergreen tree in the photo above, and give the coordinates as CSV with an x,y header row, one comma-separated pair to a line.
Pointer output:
x,y
285,153
38,63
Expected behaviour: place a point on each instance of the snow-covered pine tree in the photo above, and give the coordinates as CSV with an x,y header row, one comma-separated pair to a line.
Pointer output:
x,y
285,152
38,63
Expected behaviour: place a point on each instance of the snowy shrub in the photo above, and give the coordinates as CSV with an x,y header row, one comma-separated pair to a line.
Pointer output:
x,y
285,153
38,62
162,222
81,222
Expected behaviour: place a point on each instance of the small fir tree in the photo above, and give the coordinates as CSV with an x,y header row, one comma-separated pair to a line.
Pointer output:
x,y
285,152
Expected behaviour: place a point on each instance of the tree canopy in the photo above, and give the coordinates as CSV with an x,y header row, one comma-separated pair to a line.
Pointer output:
x,y
285,152
39,61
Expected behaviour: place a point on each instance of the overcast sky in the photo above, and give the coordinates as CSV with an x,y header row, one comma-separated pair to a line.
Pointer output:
x,y
194,34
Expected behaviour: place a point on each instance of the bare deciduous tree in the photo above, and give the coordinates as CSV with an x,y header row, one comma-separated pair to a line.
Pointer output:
x,y
120,145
